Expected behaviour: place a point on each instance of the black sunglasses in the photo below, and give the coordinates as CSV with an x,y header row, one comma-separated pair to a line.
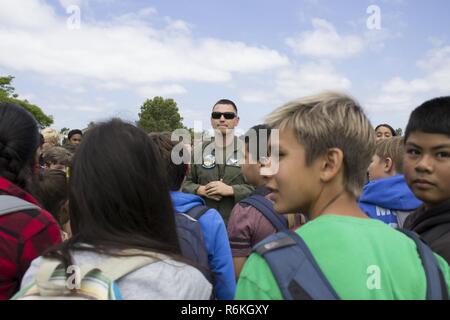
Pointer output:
x,y
226,115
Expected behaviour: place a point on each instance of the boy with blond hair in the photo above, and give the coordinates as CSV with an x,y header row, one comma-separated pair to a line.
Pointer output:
x,y
51,138
325,146
387,197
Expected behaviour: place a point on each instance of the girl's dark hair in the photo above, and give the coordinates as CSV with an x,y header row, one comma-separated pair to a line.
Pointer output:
x,y
394,133
118,195
41,140
175,172
19,140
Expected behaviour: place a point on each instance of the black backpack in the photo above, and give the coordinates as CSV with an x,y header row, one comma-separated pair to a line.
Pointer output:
x,y
299,277
190,236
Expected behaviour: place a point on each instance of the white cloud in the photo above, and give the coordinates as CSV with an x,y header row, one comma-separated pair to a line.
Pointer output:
x,y
135,18
83,3
30,15
164,90
436,58
110,85
436,66
399,94
310,78
120,51
376,39
257,96
67,3
178,26
94,109
298,81
325,42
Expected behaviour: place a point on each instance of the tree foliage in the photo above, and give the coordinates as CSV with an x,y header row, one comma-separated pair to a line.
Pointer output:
x,y
159,114
7,94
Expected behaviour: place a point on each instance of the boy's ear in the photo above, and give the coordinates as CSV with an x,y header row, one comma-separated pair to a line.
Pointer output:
x,y
332,163
388,165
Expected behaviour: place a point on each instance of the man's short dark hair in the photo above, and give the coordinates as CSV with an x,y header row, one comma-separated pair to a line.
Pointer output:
x,y
432,116
73,132
226,101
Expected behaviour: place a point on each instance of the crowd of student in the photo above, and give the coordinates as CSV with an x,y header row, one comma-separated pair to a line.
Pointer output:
x,y
343,211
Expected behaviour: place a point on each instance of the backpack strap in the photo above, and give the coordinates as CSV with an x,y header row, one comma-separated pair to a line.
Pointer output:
x,y
434,234
113,268
197,211
266,208
10,204
436,286
117,267
43,275
297,273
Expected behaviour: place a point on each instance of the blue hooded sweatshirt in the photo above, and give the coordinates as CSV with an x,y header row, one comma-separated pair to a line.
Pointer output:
x,y
216,241
389,200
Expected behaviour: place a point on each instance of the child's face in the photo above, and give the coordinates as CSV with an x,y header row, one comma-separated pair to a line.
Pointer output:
x,y
383,133
75,139
250,168
295,185
46,146
377,169
427,166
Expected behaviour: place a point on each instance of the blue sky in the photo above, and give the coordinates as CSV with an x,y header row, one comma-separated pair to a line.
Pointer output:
x,y
260,54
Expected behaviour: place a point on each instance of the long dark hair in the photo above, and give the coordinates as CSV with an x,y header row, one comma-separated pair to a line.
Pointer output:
x,y
19,140
119,197
175,172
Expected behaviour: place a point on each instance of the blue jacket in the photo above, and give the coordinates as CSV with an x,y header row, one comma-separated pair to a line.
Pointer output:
x,y
216,241
387,198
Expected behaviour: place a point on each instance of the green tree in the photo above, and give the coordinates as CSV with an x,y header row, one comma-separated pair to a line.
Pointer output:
x,y
399,132
159,114
64,131
5,87
7,94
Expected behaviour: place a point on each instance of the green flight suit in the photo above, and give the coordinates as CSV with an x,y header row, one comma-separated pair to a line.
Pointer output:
x,y
229,171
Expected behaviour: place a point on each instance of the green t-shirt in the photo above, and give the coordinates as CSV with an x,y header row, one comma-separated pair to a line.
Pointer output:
x,y
361,258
